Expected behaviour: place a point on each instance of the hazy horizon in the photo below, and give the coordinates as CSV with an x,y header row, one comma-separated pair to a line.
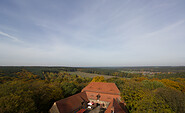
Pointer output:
x,y
85,66
98,33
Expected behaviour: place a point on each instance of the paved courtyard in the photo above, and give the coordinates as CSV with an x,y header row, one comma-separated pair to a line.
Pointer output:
x,y
96,110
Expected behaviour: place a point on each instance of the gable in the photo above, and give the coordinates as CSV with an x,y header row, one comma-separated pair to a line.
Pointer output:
x,y
102,87
71,103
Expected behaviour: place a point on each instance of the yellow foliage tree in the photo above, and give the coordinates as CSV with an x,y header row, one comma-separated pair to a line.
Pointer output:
x,y
172,84
98,79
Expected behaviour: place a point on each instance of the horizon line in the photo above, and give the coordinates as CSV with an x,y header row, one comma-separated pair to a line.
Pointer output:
x,y
90,66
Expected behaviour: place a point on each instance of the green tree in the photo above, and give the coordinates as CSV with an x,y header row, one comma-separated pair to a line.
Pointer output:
x,y
131,93
68,88
174,98
150,103
152,84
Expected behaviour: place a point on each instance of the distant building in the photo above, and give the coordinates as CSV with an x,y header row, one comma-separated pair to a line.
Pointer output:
x,y
107,95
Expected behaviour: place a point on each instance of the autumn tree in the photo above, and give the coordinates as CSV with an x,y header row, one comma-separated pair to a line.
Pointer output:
x,y
98,79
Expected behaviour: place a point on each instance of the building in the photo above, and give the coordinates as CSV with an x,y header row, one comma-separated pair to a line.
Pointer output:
x,y
116,106
102,93
70,104
107,95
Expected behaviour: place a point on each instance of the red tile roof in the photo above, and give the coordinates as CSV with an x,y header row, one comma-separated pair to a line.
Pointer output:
x,y
103,96
81,111
107,91
102,87
114,105
71,103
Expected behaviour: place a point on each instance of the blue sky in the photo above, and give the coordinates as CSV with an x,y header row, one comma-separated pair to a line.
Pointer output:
x,y
92,32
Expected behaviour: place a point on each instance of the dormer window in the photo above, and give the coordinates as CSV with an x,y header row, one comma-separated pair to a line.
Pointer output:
x,y
82,103
98,96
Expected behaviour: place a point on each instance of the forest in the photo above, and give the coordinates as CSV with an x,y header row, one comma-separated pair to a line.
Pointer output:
x,y
35,89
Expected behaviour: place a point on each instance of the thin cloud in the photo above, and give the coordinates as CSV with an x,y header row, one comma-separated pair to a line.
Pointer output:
x,y
10,36
167,28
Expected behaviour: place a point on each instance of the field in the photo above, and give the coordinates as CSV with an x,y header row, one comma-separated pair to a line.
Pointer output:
x,y
90,75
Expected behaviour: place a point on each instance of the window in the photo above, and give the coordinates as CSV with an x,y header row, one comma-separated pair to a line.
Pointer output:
x,y
98,96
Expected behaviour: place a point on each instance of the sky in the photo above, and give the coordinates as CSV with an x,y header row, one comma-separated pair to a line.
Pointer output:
x,y
92,33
